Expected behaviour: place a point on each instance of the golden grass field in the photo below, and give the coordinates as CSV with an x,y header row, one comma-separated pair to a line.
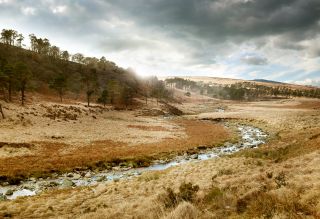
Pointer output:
x,y
62,144
280,179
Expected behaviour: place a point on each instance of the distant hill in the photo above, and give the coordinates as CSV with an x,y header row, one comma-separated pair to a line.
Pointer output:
x,y
234,89
268,81
230,81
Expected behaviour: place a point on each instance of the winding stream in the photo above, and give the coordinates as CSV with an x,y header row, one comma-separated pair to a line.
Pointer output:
x,y
251,137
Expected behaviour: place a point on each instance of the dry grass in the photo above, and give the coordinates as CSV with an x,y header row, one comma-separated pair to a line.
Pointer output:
x,y
77,125
51,157
184,210
280,180
148,128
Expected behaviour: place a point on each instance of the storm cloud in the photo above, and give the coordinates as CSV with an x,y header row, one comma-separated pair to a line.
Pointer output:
x,y
182,37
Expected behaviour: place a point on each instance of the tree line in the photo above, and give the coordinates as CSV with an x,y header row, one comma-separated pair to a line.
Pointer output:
x,y
241,90
45,67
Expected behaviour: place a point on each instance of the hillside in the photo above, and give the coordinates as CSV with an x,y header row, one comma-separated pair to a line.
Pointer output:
x,y
234,89
51,75
267,81
229,81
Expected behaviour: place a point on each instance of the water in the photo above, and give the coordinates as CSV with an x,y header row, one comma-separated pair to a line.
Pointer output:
x,y
251,137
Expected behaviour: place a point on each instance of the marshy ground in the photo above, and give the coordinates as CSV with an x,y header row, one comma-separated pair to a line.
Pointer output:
x,y
280,179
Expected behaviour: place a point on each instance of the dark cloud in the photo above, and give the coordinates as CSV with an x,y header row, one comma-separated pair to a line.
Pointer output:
x,y
212,21
176,32
223,20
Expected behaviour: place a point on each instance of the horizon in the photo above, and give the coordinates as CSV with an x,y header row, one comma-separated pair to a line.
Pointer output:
x,y
205,38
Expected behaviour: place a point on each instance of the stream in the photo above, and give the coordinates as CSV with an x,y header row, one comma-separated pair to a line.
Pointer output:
x,y
250,137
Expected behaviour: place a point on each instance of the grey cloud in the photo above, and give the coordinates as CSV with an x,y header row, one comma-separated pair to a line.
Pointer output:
x,y
233,20
202,31
285,43
211,21
254,60
314,51
122,44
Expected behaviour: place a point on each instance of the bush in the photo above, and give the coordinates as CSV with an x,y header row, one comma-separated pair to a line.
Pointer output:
x,y
187,193
281,180
214,194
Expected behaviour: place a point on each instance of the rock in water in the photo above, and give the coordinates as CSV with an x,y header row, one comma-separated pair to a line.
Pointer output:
x,y
67,183
100,178
76,176
9,192
194,156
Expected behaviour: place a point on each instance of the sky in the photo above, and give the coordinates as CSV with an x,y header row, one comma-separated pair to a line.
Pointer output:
x,y
248,39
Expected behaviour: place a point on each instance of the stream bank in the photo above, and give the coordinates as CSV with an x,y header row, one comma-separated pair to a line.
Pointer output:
x,y
250,137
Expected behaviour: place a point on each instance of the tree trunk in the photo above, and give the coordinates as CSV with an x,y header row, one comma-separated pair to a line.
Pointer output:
x,y
4,95
88,100
22,94
1,111
10,91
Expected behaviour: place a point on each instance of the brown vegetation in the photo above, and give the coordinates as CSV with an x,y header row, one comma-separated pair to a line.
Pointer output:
x,y
148,128
51,157
278,180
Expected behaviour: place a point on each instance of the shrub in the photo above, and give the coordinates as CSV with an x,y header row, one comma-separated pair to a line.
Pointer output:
x,y
222,172
269,175
187,193
214,194
281,180
241,205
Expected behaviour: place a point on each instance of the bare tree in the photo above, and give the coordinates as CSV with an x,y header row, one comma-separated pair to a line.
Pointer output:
x,y
90,81
1,111
23,76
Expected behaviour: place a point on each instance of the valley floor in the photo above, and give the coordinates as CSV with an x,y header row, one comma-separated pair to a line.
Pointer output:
x,y
280,179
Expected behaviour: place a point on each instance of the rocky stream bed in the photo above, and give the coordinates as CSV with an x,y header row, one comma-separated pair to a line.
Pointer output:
x,y
250,137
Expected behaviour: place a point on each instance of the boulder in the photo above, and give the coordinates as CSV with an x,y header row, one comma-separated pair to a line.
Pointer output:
x,y
53,184
9,192
194,156
76,176
67,183
88,175
100,178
